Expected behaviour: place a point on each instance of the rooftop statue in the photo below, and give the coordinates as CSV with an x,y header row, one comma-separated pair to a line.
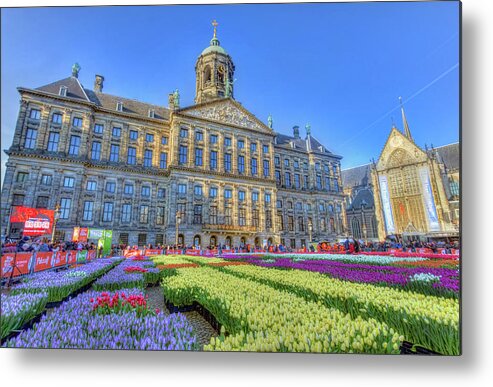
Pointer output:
x,y
269,120
75,70
176,97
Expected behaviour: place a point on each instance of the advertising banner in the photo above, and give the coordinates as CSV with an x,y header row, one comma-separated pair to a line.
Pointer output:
x,y
60,259
430,209
75,234
132,253
95,233
22,262
387,207
81,256
42,261
91,255
83,234
153,252
33,221
71,257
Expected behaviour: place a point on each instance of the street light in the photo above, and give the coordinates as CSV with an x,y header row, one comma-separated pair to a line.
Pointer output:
x,y
56,217
177,223
310,229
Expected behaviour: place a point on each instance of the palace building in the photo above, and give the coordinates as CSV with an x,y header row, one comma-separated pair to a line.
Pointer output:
x,y
204,174
409,192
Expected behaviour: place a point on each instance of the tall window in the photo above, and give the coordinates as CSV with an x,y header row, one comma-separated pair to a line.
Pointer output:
x,y
213,139
145,191
254,166
149,137
228,193
213,215
280,221
183,133
96,150
163,161
268,219
267,197
241,164
254,196
255,218
88,209
110,187
241,196
277,161
241,144
356,228
161,193
297,183
213,192
227,216
198,157
108,212
31,136
336,185
131,156
227,141
242,217
306,181
46,179
53,140
114,153
181,209
197,190
301,224
164,140
74,145
327,183
144,214
287,179
91,185
253,147
183,154
77,122
197,214
133,135
128,189
126,213
265,148
65,205
296,164
56,118
319,182
213,160
68,182
266,168
286,163
182,189
148,158
116,132
42,202
227,162
278,177
199,136
98,128
160,215
290,223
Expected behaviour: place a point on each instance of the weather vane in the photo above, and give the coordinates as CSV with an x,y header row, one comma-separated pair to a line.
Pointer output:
x,y
215,24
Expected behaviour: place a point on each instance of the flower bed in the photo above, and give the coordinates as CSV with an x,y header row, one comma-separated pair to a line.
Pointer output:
x,y
77,324
446,280
130,273
61,284
426,320
19,309
261,318
177,266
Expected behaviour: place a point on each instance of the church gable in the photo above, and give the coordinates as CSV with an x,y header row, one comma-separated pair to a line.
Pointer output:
x,y
226,111
399,150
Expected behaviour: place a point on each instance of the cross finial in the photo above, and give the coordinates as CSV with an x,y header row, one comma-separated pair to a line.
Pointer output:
x,y
215,24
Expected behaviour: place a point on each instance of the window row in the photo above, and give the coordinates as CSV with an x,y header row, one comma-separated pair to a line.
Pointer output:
x,y
228,193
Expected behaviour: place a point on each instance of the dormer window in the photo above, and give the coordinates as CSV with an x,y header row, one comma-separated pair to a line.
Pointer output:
x,y
151,113
63,91
119,106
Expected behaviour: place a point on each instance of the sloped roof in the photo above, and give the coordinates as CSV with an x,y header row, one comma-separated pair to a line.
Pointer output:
x,y
306,145
132,106
357,176
74,88
449,155
363,196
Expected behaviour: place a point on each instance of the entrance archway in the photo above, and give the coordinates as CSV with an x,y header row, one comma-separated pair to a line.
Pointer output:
x,y
243,241
213,241
196,240
257,241
269,241
181,239
228,241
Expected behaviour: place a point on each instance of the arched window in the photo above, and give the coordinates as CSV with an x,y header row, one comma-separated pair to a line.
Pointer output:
x,y
196,240
181,239
356,228
207,74
220,74
213,241
228,241
373,225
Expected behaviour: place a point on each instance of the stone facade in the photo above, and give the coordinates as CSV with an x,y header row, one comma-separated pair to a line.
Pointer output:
x,y
203,174
409,192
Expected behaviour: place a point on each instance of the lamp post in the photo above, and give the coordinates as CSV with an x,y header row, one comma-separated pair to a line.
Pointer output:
x,y
310,229
56,217
177,224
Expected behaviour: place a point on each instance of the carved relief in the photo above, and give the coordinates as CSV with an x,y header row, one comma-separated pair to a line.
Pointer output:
x,y
225,113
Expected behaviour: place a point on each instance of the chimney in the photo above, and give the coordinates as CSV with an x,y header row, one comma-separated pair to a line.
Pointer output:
x,y
296,131
98,83
171,101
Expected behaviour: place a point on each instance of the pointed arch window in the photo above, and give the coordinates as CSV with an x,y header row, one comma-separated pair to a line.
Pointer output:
x,y
207,75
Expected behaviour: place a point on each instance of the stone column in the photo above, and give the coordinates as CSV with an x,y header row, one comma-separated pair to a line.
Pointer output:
x,y
42,140
20,125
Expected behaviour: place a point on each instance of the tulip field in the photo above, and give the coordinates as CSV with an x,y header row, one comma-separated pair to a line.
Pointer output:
x,y
321,303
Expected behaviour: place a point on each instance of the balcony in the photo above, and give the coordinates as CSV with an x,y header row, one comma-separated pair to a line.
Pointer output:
x,y
228,227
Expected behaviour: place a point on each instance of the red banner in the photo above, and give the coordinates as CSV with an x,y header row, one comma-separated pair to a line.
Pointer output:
x,y
83,234
21,261
153,252
132,253
91,255
60,259
71,257
36,221
42,261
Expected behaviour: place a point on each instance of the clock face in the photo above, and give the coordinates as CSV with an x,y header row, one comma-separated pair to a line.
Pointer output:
x,y
396,141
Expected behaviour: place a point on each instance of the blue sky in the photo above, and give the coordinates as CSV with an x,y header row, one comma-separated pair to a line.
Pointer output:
x,y
340,67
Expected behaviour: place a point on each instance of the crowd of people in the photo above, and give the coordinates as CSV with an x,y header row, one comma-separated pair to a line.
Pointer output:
x,y
27,244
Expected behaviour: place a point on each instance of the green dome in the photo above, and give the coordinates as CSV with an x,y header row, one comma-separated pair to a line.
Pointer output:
x,y
214,47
